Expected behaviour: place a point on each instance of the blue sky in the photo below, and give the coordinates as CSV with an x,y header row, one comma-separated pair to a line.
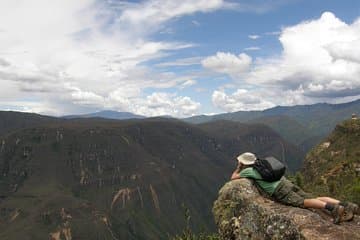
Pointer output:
x,y
179,58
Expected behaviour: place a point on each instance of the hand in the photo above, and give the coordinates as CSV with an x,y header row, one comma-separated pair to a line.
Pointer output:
x,y
238,167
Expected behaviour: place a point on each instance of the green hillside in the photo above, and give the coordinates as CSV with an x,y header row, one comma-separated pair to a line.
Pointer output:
x,y
333,167
101,179
287,127
255,138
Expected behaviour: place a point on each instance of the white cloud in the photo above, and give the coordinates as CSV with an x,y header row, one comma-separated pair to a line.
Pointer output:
x,y
181,62
254,37
319,63
130,99
242,99
29,106
319,57
228,63
152,14
158,104
345,50
81,97
76,54
188,83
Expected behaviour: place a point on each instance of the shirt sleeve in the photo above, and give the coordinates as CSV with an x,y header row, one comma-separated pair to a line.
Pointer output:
x,y
247,172
250,173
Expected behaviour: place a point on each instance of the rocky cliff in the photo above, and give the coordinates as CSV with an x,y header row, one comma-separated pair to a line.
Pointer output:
x,y
241,212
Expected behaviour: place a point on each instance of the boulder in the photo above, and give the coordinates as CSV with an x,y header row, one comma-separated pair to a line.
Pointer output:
x,y
242,212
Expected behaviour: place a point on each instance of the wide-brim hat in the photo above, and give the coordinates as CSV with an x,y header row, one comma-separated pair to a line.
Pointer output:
x,y
247,158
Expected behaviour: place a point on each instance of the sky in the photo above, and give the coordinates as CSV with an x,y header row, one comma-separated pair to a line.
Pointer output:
x,y
176,57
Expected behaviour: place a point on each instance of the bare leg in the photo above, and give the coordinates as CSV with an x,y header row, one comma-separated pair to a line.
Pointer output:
x,y
319,203
314,203
329,200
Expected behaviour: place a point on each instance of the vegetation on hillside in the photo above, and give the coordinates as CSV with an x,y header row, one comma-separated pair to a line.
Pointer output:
x,y
127,179
333,167
188,234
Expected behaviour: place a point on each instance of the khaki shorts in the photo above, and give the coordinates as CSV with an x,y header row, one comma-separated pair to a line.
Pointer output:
x,y
290,194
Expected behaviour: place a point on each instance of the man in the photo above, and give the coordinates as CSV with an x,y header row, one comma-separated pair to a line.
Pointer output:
x,y
286,192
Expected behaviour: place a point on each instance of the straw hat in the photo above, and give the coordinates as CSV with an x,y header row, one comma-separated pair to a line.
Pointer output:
x,y
246,158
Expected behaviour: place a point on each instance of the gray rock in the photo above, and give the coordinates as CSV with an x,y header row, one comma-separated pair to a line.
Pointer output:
x,y
241,212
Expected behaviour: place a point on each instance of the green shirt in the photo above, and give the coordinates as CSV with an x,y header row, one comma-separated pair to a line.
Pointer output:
x,y
268,187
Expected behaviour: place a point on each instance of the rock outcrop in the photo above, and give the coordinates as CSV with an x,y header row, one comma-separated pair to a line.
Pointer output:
x,y
241,212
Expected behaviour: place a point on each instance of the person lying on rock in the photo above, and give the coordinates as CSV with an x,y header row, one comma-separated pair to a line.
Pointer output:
x,y
285,192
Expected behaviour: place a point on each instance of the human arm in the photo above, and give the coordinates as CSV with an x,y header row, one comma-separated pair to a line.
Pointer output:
x,y
235,174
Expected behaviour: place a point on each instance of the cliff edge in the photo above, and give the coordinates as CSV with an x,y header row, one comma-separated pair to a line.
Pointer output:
x,y
241,212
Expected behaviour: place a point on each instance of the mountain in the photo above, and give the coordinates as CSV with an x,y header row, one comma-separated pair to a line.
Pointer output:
x,y
107,179
303,125
107,115
320,118
258,138
289,129
333,167
11,121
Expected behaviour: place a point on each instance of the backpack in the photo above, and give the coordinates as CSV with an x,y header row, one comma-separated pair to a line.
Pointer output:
x,y
270,169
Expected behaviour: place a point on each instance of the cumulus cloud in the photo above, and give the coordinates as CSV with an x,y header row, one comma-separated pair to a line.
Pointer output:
x,y
130,99
164,103
160,104
228,63
345,50
81,97
316,59
242,99
75,54
319,62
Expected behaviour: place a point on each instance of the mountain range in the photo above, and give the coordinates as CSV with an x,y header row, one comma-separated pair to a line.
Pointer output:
x,y
303,125
95,178
109,179
107,115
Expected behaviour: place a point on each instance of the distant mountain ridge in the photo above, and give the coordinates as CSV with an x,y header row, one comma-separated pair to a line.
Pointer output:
x,y
107,114
303,125
11,121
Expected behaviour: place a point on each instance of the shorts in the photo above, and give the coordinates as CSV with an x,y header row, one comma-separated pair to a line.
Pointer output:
x,y
289,194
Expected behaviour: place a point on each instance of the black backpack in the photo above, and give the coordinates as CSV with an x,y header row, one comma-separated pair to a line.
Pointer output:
x,y
270,168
